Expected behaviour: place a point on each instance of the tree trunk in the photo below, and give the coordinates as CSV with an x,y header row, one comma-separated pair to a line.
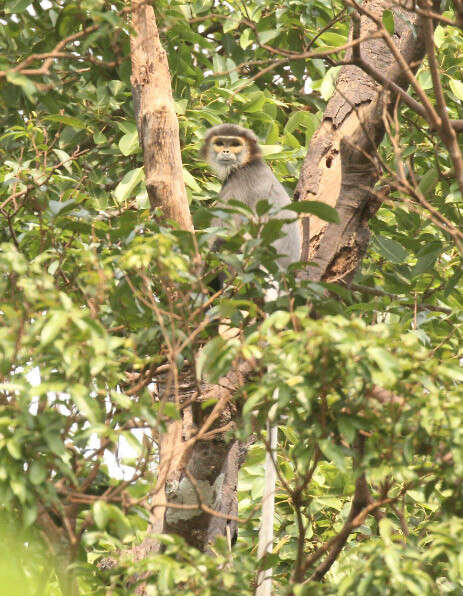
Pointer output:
x,y
158,132
208,475
156,118
339,168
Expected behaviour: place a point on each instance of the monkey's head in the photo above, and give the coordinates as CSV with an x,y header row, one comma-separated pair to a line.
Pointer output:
x,y
229,147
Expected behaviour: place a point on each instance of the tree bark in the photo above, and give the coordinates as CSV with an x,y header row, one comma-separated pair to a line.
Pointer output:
x,y
156,118
195,494
158,132
339,168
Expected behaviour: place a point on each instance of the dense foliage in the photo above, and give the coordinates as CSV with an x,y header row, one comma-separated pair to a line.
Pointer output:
x,y
94,291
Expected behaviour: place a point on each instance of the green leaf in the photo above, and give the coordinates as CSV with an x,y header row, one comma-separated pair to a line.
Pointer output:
x,y
129,182
57,208
84,402
26,84
170,410
426,260
333,39
386,529
116,86
327,86
99,138
69,19
128,144
118,522
190,181
266,36
55,443
53,327
425,79
19,489
216,358
429,181
271,149
253,401
439,35
457,88
333,453
388,21
385,361
76,124
64,158
390,249
101,514
181,106
121,399
37,473
30,515
302,120
263,207
278,320
244,39
232,21
320,209
268,561
14,448
346,428
256,104
16,6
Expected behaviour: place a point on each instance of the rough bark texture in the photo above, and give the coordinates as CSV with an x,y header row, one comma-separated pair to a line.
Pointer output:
x,y
156,118
159,137
208,473
199,460
196,490
338,169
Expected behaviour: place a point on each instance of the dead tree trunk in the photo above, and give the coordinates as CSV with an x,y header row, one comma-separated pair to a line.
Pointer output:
x,y
339,168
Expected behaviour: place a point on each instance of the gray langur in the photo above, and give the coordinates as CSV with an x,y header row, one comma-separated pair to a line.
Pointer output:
x,y
235,156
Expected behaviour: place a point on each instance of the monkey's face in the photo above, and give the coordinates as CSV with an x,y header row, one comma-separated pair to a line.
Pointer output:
x,y
230,151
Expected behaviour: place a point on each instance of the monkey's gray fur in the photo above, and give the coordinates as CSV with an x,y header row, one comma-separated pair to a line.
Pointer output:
x,y
248,179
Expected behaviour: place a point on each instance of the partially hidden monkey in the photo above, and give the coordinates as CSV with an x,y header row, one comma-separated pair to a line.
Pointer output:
x,y
235,156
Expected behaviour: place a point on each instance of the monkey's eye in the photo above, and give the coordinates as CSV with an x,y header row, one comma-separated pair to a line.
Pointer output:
x,y
219,143
235,143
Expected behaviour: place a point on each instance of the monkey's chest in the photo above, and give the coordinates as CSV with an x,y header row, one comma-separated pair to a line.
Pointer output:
x,y
245,189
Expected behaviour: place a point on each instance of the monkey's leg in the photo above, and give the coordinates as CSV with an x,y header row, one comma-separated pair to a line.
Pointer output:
x,y
264,578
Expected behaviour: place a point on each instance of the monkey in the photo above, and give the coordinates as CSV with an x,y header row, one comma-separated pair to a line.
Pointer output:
x,y
234,154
